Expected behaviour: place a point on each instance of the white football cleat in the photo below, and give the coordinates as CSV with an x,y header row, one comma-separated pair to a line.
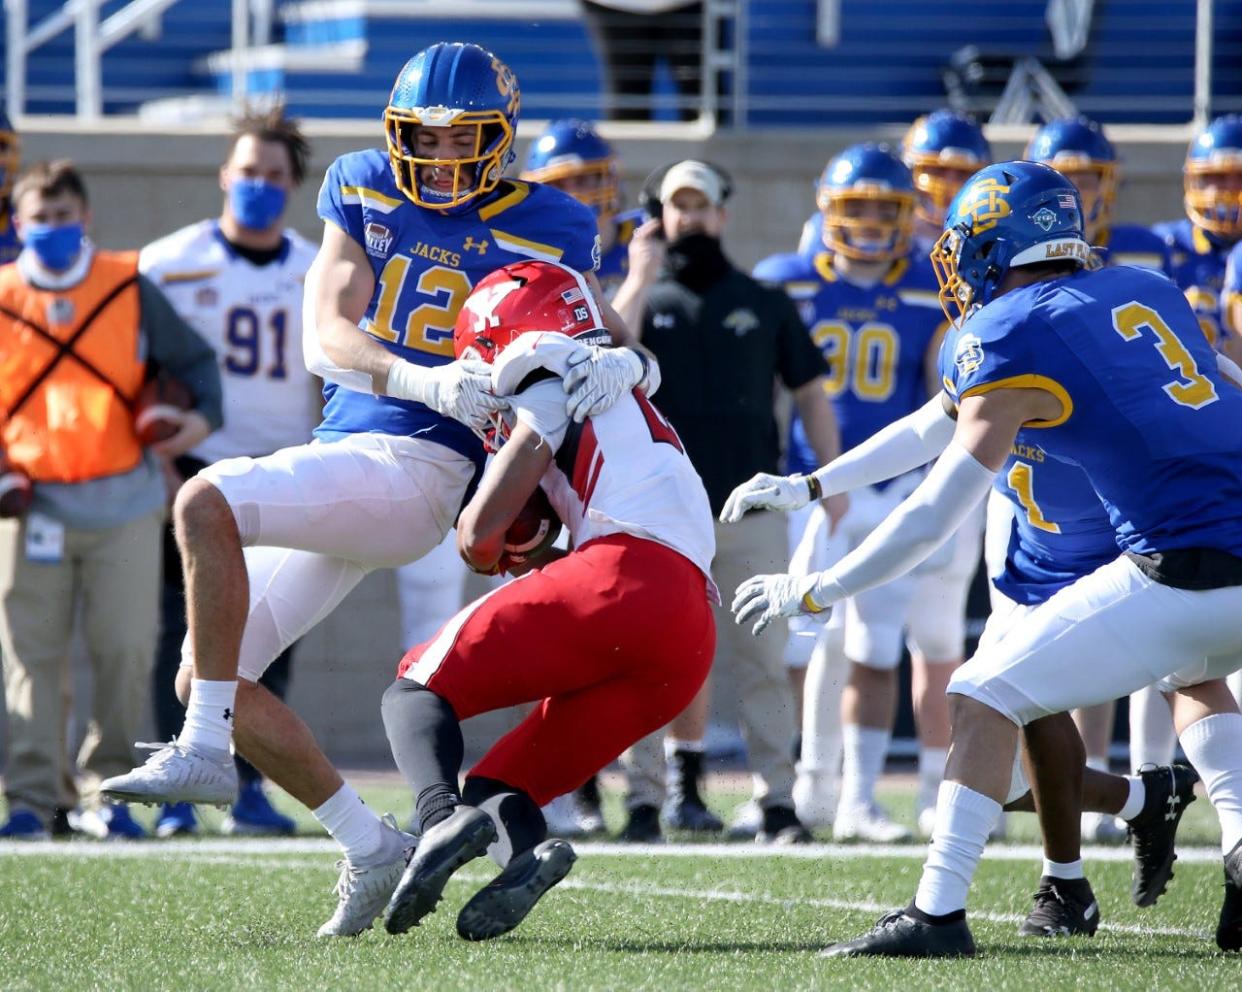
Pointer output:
x,y
363,890
815,798
177,773
868,823
1103,828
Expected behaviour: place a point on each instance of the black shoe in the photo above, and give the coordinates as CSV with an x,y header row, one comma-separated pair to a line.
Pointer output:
x,y
900,935
642,826
451,843
591,807
1229,929
60,825
506,900
1170,789
1064,907
690,815
782,826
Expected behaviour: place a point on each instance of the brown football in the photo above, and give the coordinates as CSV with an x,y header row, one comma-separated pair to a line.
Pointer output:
x,y
534,529
158,407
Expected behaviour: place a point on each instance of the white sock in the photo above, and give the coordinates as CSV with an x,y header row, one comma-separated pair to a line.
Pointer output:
x,y
1214,747
964,818
1134,801
931,774
865,749
1066,870
1152,736
1099,763
209,715
672,745
351,824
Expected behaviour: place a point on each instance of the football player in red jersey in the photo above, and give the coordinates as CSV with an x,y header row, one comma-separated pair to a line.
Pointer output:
x,y
610,641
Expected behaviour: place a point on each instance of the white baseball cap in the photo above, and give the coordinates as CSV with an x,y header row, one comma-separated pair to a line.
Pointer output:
x,y
692,174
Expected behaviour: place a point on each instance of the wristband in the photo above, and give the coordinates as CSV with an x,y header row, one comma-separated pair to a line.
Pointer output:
x,y
811,605
813,486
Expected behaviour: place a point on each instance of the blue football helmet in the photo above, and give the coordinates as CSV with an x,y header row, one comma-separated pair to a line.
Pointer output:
x,y
1007,215
452,84
943,149
861,175
10,155
1077,147
572,156
1213,178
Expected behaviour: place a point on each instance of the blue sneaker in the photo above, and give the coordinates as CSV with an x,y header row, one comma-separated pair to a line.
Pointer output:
x,y
176,818
24,825
254,815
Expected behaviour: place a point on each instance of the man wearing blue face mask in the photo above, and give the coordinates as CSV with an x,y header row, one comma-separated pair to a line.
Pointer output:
x,y
80,331
237,279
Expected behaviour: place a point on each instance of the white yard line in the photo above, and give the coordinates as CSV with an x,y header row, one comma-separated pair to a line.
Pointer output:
x,y
313,845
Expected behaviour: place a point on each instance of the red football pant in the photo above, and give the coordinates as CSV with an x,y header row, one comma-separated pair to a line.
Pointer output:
x,y
615,639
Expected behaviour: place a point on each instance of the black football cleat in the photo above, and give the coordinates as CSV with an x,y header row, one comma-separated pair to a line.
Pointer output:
x,y
507,899
1170,789
782,827
642,826
451,843
900,935
1229,929
1063,908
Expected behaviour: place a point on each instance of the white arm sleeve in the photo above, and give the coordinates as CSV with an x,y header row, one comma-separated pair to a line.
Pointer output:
x,y
925,520
317,361
903,445
1229,369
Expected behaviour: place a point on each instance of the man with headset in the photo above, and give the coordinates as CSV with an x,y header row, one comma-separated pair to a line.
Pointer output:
x,y
722,338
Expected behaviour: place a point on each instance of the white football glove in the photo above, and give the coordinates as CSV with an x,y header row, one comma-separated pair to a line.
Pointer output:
x,y
461,390
766,492
599,377
769,597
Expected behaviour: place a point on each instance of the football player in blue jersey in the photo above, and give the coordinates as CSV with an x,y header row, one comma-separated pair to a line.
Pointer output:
x,y
1110,366
271,545
10,163
1199,243
572,156
1080,151
871,306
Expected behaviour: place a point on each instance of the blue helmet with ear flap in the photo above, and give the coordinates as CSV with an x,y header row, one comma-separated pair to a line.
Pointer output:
x,y
1008,215
1215,154
1076,145
572,150
450,85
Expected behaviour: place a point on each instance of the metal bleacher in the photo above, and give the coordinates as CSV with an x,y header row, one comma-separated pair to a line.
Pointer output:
x,y
887,61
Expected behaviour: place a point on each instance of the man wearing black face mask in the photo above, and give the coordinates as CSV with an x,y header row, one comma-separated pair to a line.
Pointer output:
x,y
78,327
722,339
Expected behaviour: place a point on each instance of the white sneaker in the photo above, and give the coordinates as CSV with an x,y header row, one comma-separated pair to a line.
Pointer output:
x,y
563,816
1101,828
815,798
363,890
177,773
869,823
747,821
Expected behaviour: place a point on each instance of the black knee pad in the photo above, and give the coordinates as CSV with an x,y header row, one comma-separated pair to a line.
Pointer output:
x,y
519,820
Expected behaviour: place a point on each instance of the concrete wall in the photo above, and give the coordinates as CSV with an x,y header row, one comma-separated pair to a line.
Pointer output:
x,y
145,183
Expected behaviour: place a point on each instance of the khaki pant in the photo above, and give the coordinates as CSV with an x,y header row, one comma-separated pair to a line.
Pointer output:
x,y
752,668
115,574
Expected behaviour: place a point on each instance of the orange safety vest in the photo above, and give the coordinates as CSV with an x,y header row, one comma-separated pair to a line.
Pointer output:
x,y
69,372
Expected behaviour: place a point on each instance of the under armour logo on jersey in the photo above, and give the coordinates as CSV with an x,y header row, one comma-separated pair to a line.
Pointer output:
x,y
228,713
741,321
664,320
470,244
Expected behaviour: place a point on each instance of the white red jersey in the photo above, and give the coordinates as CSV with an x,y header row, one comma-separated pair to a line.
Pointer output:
x,y
623,471
252,316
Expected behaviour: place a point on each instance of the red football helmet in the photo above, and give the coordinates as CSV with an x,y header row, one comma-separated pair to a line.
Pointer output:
x,y
522,297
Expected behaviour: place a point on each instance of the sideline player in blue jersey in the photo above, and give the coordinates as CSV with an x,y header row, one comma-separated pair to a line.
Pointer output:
x,y
942,150
1110,366
10,163
271,545
572,156
871,307
1199,243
